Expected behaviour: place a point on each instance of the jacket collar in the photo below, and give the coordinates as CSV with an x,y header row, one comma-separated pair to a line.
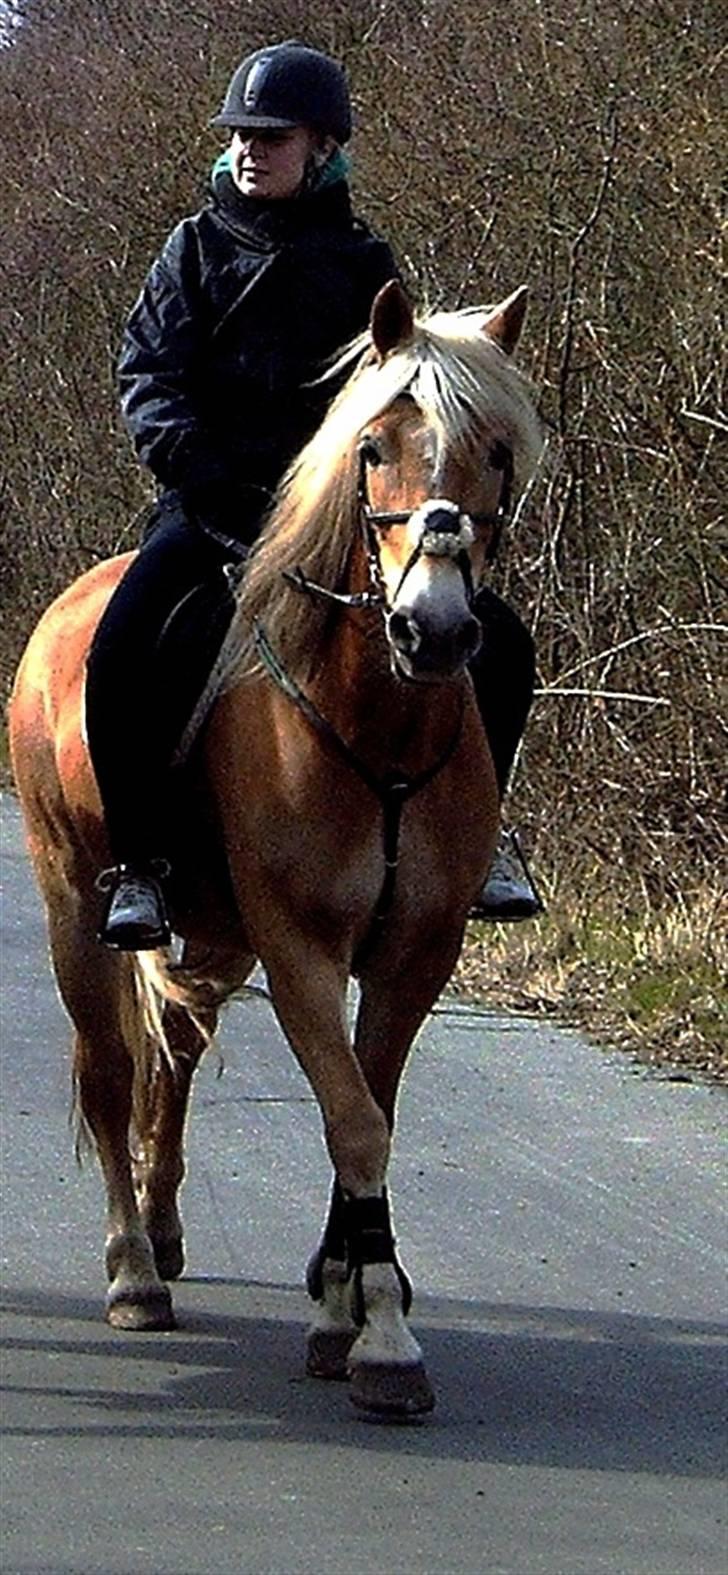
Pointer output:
x,y
269,224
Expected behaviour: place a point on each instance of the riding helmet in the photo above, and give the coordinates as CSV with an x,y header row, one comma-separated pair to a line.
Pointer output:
x,y
288,85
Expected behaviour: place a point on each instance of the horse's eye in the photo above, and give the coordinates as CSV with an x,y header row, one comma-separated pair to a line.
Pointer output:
x,y
499,456
370,452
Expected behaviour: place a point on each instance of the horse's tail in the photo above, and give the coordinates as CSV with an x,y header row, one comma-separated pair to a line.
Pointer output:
x,y
161,984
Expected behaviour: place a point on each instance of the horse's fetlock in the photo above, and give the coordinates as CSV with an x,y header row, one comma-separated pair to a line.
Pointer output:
x,y
385,1336
334,1308
335,1277
129,1257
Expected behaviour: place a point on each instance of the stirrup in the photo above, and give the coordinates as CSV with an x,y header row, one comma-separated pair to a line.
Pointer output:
x,y
135,919
509,891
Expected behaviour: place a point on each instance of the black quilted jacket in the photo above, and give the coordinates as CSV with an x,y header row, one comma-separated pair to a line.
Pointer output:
x,y
237,317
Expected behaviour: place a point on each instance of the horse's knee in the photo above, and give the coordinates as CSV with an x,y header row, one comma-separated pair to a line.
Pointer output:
x,y
359,1146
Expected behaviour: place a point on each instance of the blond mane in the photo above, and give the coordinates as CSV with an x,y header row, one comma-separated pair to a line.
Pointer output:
x,y
466,388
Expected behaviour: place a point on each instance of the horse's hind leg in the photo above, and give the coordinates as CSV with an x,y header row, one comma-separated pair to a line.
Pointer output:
x,y
189,1023
161,1168
111,1048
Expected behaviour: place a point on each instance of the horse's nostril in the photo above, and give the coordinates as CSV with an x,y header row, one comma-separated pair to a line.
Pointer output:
x,y
468,638
403,632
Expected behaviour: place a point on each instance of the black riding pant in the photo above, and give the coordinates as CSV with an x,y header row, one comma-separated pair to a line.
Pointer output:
x,y
153,651
147,667
503,671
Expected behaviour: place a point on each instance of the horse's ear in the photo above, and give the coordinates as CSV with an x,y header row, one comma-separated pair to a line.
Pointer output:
x,y
505,322
392,320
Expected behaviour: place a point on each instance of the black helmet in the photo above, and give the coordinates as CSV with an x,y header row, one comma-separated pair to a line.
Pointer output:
x,y
288,85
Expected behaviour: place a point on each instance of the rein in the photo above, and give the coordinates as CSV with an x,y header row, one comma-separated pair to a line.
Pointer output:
x,y
393,789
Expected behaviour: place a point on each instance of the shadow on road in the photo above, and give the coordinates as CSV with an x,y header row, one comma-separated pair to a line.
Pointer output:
x,y
521,1386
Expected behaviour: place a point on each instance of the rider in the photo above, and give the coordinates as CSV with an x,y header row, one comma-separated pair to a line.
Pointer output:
x,y
218,377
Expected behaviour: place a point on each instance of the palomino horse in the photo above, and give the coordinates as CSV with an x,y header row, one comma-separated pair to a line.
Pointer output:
x,y
345,812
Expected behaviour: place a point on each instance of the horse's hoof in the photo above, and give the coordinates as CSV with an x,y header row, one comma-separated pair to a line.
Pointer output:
x,y
327,1352
391,1391
130,1309
169,1257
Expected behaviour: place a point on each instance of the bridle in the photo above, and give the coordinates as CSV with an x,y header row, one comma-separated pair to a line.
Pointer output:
x,y
450,535
381,519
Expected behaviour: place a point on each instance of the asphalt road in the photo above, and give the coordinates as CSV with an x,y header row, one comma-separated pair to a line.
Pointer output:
x,y
562,1216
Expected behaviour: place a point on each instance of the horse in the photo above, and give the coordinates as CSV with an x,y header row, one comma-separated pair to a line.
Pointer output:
x,y
340,814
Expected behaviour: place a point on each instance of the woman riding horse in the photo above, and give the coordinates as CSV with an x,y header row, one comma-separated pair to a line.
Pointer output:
x,y
344,738
220,378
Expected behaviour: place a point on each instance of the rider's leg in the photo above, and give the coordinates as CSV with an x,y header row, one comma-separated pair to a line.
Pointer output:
x,y
141,685
503,673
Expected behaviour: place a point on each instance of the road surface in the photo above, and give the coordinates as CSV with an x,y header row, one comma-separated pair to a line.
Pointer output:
x,y
562,1215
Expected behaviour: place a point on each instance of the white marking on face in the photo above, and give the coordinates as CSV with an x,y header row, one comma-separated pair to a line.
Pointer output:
x,y
434,593
428,586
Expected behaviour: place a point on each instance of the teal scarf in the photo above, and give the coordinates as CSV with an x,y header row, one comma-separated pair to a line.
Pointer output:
x,y
336,168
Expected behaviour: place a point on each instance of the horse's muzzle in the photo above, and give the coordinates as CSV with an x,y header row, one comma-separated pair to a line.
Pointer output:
x,y
429,654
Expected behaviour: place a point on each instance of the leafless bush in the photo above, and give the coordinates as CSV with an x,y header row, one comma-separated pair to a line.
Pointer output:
x,y
578,150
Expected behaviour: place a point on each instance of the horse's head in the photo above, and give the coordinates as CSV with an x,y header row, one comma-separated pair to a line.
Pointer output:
x,y
434,487
412,468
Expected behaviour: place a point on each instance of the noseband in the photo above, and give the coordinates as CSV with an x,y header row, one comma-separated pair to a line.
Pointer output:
x,y
381,519
449,536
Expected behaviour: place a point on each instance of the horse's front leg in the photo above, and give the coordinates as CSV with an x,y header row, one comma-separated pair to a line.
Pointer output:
x,y
362,1297
385,1362
333,1329
361,1293
363,1300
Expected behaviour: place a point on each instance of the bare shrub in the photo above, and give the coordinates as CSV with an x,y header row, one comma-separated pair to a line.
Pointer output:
x,y
578,149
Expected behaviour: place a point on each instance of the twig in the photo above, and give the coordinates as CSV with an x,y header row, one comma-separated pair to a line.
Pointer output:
x,y
708,421
603,694
646,634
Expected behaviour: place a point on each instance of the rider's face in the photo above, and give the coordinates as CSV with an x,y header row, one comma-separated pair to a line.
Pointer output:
x,y
271,163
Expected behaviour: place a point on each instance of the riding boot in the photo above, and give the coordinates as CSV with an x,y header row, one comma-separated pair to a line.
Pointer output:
x,y
136,913
503,674
508,891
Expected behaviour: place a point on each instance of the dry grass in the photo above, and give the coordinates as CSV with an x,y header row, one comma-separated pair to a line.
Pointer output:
x,y
653,984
